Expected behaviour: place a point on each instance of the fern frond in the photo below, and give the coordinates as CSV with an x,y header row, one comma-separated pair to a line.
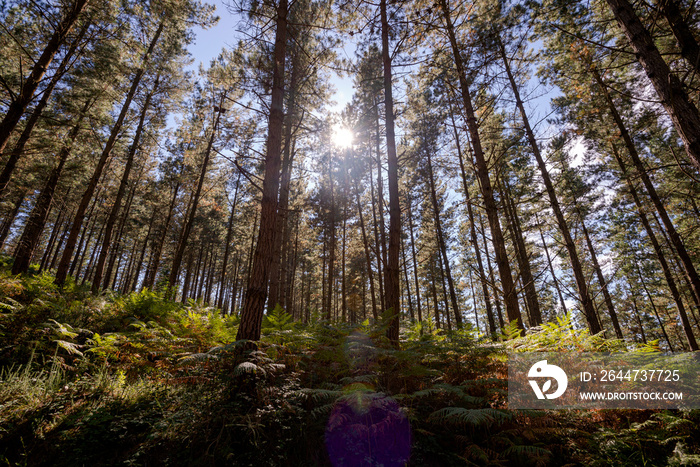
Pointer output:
x,y
69,347
473,417
247,368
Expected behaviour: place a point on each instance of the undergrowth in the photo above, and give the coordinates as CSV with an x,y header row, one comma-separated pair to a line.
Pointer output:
x,y
141,380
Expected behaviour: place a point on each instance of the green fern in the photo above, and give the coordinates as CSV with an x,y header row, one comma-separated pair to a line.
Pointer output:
x,y
473,417
277,320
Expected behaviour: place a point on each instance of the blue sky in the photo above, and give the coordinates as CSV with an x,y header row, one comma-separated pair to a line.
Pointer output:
x,y
208,44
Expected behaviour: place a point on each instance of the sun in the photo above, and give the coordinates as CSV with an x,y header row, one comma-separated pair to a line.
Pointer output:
x,y
342,137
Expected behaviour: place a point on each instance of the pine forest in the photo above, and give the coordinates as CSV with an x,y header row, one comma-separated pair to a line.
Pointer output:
x,y
315,232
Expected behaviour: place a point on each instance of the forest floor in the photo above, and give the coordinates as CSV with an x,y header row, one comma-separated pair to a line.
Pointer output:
x,y
140,380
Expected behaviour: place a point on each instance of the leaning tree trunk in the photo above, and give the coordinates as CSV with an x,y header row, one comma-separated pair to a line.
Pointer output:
x,y
599,274
64,264
676,240
227,247
254,305
586,302
510,297
18,149
684,114
472,232
668,275
189,221
37,218
19,105
441,242
690,50
510,209
116,205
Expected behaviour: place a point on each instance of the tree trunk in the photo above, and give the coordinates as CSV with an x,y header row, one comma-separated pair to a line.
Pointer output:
x,y
510,298
551,267
18,149
441,242
256,295
684,114
670,281
392,286
116,205
227,248
9,219
365,243
599,274
586,302
533,305
152,271
378,247
189,221
413,255
332,243
64,264
20,102
37,218
651,191
653,307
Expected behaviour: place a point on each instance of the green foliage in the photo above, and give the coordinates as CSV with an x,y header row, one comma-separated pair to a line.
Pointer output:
x,y
563,335
135,376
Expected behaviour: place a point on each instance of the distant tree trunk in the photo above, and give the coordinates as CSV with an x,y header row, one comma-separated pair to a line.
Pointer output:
x,y
444,293
684,114
256,295
60,244
365,243
93,254
117,203
64,264
9,219
392,285
19,104
639,319
37,218
227,247
80,250
599,274
85,239
52,239
189,221
551,267
120,230
331,248
415,262
472,232
152,270
433,289
407,282
491,277
511,211
142,255
378,247
509,292
441,242
653,307
343,282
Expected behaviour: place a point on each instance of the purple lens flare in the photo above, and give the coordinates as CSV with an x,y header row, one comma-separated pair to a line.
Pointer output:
x,y
368,429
